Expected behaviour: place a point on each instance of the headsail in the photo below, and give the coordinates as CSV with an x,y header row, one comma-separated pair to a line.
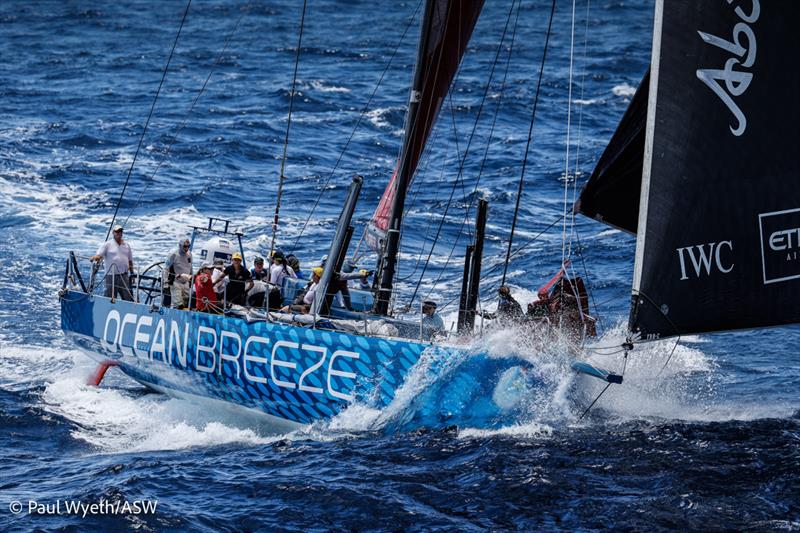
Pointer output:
x,y
718,242
612,193
442,44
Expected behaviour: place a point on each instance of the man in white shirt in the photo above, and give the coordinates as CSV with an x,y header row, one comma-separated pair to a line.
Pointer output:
x,y
432,323
304,303
118,258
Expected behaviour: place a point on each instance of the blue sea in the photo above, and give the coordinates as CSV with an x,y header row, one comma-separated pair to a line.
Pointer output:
x,y
712,442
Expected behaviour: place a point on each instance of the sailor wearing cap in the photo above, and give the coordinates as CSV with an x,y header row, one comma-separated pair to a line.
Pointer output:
x,y
204,289
218,277
118,258
179,268
239,281
258,271
431,322
305,301
311,293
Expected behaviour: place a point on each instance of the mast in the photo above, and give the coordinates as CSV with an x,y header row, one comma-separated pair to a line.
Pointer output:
x,y
403,175
444,33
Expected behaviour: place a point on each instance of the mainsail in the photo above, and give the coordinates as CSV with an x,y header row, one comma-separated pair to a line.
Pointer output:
x,y
718,236
446,29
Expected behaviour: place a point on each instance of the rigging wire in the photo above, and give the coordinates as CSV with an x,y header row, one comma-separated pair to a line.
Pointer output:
x,y
491,133
594,401
459,178
149,116
586,276
435,70
462,160
485,275
175,136
282,178
669,357
355,128
580,126
430,224
569,126
528,143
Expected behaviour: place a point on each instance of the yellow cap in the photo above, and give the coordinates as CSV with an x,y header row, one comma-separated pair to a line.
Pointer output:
x,y
237,255
318,271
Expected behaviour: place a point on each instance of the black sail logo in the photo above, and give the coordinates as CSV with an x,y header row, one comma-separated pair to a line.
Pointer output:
x,y
780,245
729,82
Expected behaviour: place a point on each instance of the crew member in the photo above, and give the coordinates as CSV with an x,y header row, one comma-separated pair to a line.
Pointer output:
x,y
179,266
261,274
432,323
118,258
508,309
305,299
204,290
294,262
239,281
279,269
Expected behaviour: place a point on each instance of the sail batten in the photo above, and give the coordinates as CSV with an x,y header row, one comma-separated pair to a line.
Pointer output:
x,y
718,236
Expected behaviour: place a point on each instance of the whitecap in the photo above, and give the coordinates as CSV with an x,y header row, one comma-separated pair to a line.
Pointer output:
x,y
623,90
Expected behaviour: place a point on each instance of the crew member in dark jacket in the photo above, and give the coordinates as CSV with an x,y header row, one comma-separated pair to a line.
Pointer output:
x,y
239,281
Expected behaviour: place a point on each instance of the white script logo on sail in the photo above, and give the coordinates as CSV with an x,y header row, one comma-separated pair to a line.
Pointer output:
x,y
780,245
736,81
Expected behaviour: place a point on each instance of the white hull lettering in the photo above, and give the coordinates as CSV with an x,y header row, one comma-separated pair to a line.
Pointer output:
x,y
232,358
111,346
175,343
209,349
323,352
341,373
254,359
141,337
279,362
128,319
159,344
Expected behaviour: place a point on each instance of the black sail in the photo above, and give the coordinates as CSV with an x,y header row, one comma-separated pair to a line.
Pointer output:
x,y
718,242
611,195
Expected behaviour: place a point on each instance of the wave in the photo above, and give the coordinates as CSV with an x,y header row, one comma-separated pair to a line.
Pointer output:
x,y
624,90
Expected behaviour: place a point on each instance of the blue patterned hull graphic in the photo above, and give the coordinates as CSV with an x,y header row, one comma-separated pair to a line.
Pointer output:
x,y
293,373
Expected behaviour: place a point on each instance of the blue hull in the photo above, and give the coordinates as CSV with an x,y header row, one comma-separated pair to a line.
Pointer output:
x,y
293,373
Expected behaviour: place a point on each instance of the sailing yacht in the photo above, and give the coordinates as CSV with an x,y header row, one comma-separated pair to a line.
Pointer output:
x,y
701,169
294,369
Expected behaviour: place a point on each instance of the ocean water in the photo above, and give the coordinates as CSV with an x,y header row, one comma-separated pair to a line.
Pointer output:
x,y
710,442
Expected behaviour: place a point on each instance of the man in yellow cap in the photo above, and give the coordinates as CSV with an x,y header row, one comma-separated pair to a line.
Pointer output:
x,y
239,281
304,301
